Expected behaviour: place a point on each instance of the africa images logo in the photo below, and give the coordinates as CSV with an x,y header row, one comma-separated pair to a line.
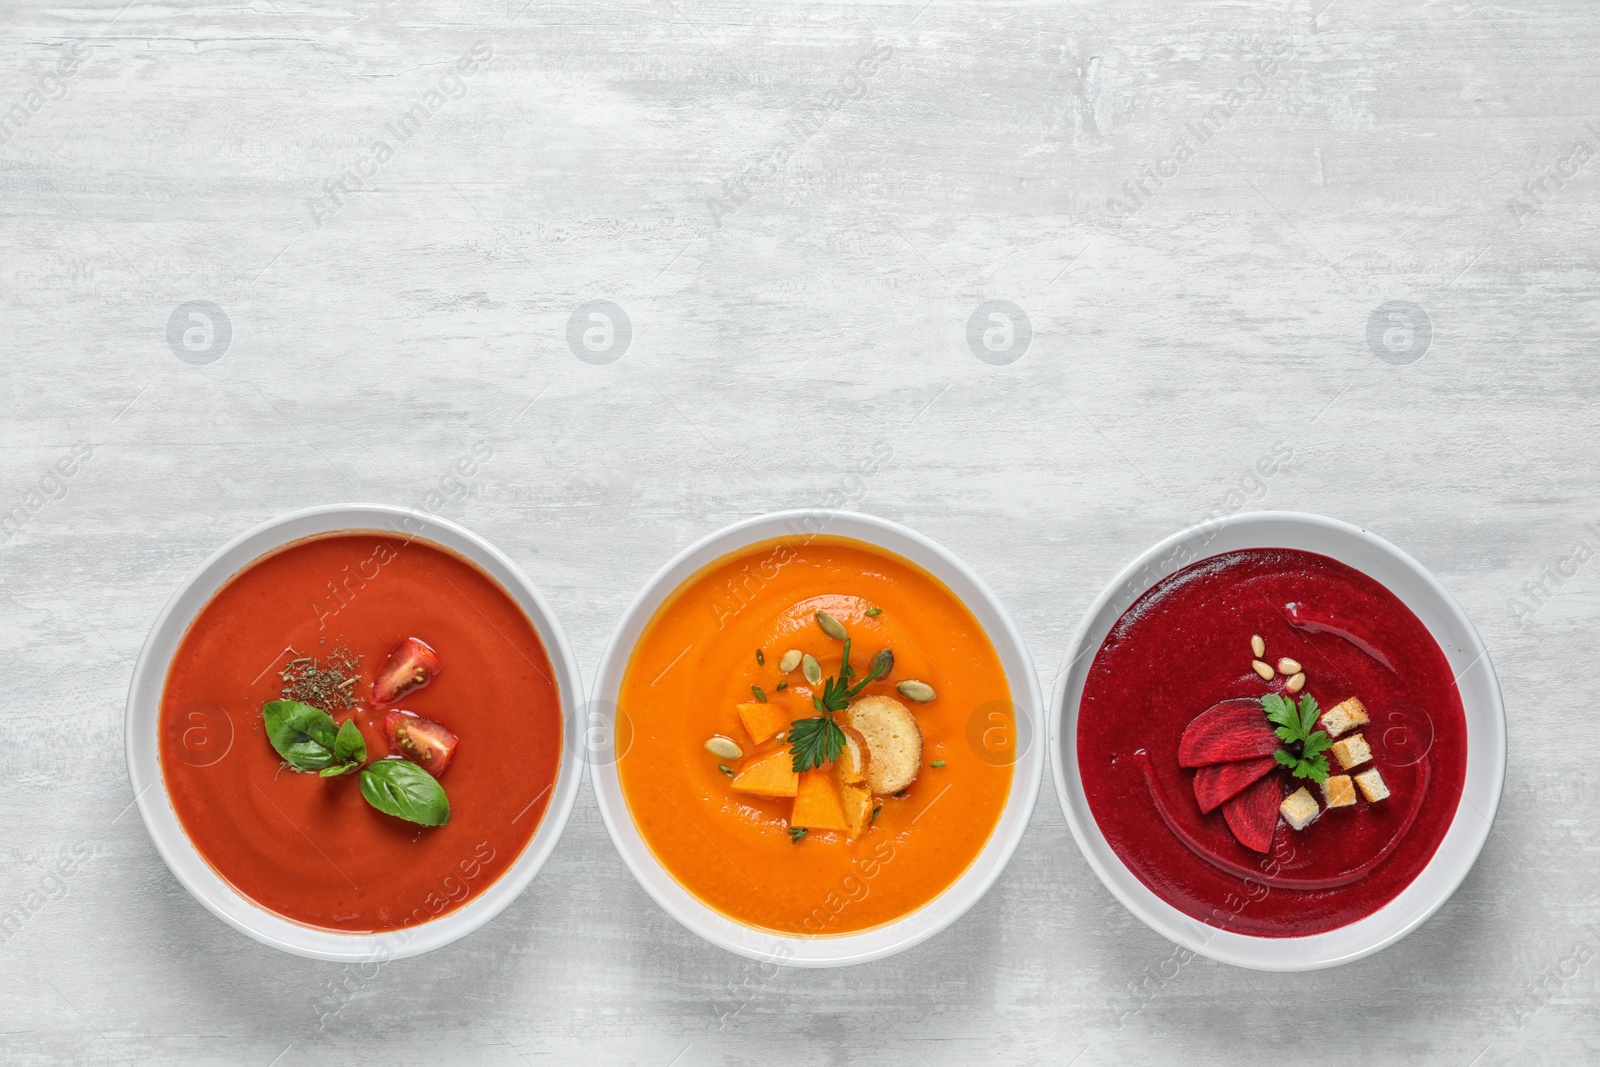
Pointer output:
x,y
452,85
1196,134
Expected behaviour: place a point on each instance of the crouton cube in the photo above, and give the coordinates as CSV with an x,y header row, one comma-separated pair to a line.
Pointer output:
x,y
769,775
1344,717
1352,751
763,721
817,805
1371,783
1337,792
1299,809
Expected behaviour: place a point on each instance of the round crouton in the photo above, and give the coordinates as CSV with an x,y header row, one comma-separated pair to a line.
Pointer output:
x,y
893,742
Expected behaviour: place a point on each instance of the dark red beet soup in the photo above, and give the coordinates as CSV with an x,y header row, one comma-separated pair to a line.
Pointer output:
x,y
1199,796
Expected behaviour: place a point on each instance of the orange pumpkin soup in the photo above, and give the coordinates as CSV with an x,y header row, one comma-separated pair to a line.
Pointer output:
x,y
789,791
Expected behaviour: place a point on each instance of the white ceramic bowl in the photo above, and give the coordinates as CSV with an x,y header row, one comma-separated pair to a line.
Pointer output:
x,y
911,929
141,736
1480,698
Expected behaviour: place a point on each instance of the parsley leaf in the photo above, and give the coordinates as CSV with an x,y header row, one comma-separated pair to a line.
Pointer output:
x,y
1316,770
814,742
1280,711
1294,726
1308,713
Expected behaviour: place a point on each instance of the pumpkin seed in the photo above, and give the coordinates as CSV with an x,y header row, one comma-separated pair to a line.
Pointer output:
x,y
725,769
881,664
811,669
725,747
831,626
912,689
761,658
790,660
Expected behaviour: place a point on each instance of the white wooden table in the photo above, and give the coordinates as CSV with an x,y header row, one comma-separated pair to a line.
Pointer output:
x,y
1357,229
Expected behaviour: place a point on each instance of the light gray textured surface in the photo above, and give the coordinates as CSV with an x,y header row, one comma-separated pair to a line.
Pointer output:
x,y
377,339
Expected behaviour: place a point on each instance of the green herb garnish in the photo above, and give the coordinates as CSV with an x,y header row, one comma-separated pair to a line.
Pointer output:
x,y
814,741
723,767
837,692
873,613
875,813
781,687
819,740
308,740
756,689
936,764
400,788
303,735
349,750
761,658
796,833
1304,756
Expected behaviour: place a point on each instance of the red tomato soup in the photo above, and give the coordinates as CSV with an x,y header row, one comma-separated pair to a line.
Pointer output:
x,y
312,849
1182,660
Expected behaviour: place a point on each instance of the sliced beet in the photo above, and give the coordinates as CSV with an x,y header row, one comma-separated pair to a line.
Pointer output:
x,y
1232,730
1223,781
1253,814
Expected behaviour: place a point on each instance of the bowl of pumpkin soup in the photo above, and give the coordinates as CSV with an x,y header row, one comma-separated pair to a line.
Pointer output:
x,y
822,738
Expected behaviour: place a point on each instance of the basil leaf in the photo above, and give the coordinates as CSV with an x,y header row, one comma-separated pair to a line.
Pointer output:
x,y
338,769
348,745
303,735
400,788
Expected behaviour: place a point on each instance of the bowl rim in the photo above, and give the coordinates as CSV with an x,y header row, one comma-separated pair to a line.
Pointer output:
x,y
1329,948
986,867
178,851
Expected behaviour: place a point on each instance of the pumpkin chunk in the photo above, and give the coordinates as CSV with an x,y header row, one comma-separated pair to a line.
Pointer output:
x,y
769,775
816,804
763,722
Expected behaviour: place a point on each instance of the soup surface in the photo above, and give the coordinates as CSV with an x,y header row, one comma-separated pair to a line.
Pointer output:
x,y
1186,647
311,848
751,857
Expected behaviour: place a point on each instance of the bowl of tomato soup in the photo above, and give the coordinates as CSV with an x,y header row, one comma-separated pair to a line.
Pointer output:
x,y
824,735
1279,741
351,732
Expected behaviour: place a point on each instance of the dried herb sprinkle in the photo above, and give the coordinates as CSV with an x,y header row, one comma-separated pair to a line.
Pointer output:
x,y
329,684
